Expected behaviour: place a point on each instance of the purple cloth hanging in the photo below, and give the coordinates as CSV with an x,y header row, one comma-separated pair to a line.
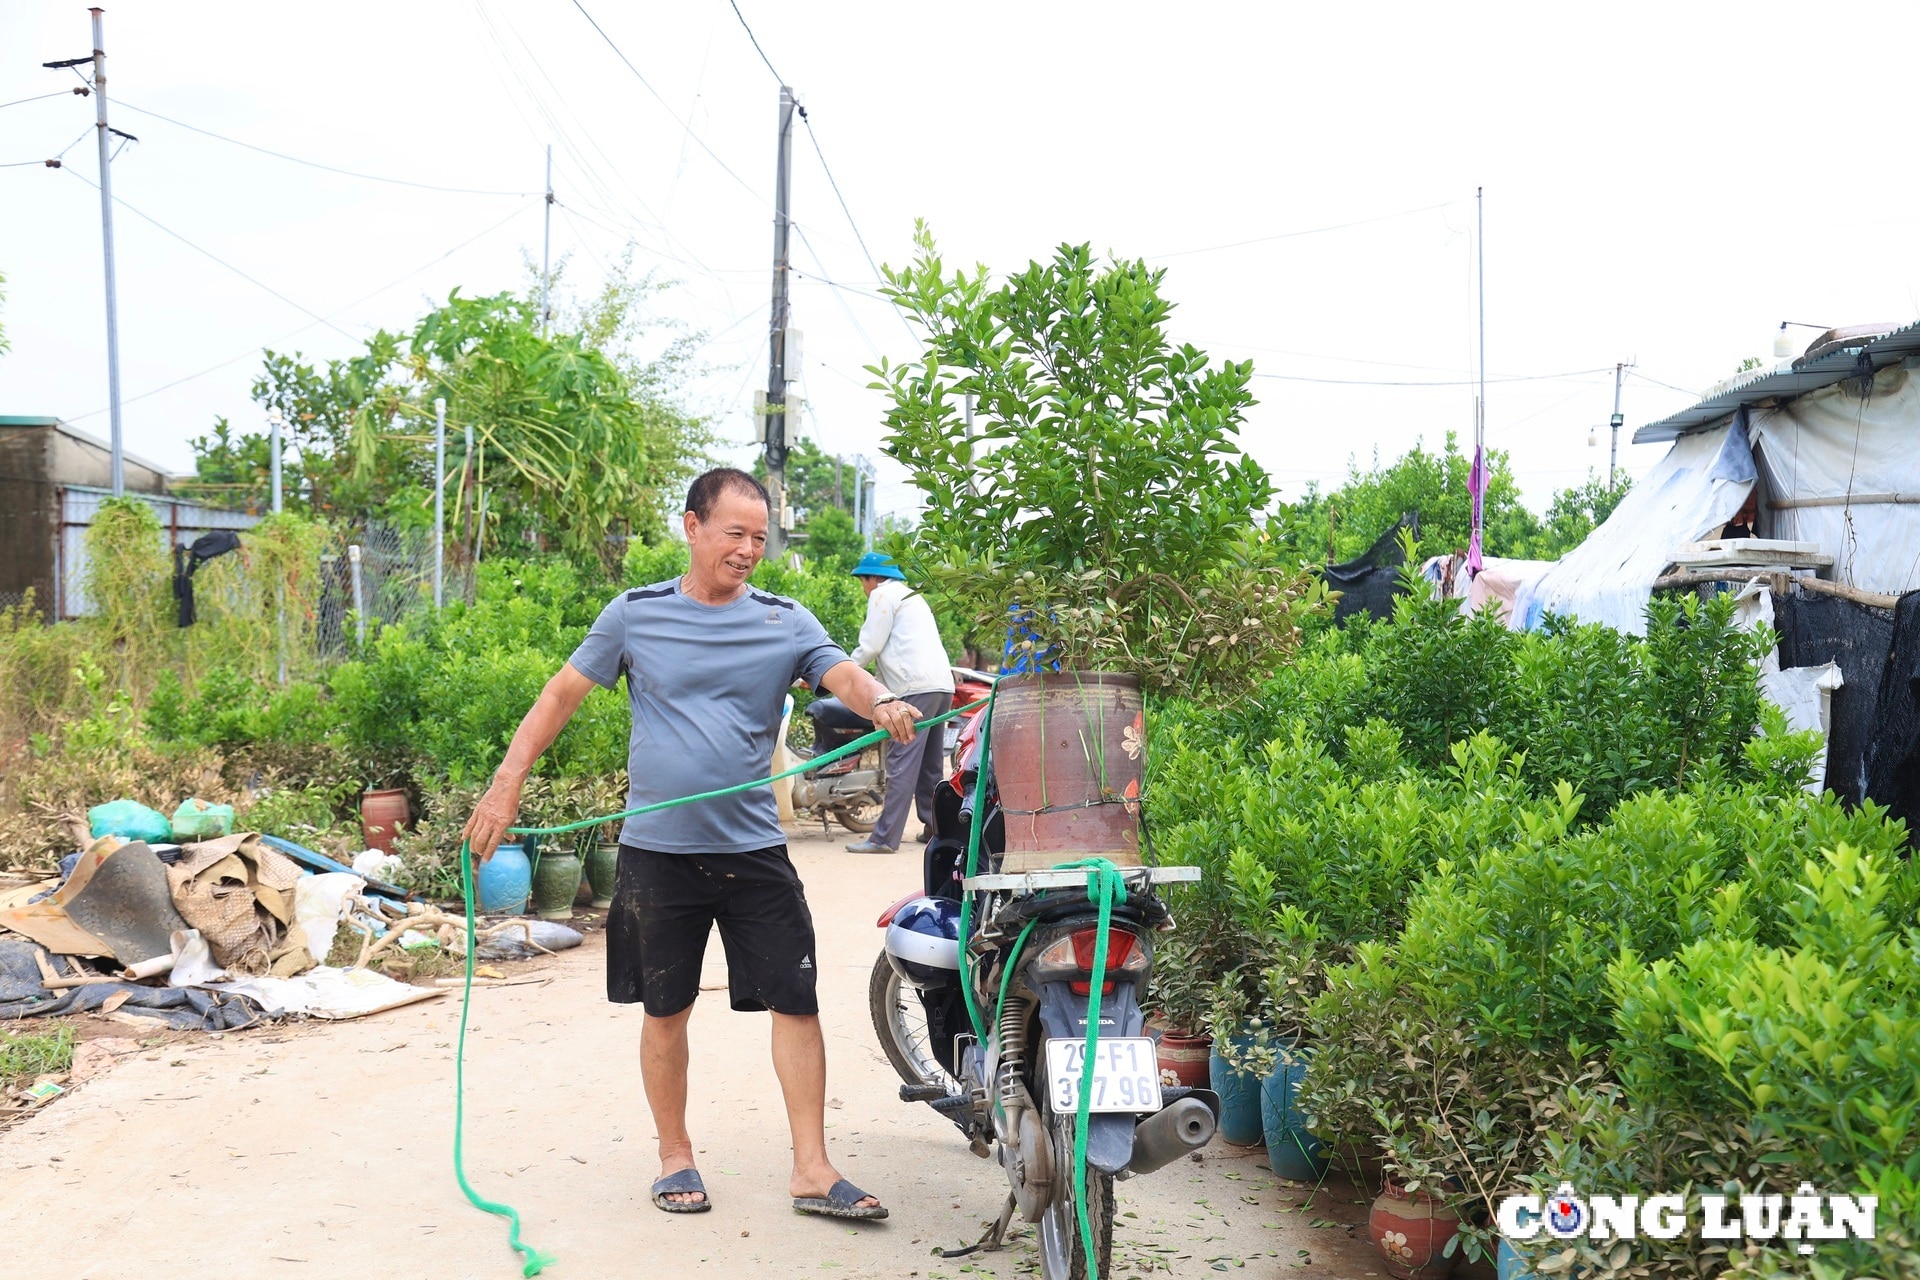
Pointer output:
x,y
1477,486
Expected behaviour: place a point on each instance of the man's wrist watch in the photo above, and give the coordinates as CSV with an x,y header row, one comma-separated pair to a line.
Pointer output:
x,y
884,699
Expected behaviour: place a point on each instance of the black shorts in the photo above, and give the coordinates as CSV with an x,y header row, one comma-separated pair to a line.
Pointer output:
x,y
664,906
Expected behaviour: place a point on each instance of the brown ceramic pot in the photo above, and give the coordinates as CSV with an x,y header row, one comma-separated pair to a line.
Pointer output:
x,y
1411,1229
1183,1059
1069,752
382,814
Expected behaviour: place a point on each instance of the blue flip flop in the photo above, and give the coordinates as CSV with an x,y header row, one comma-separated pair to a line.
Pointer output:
x,y
683,1182
842,1201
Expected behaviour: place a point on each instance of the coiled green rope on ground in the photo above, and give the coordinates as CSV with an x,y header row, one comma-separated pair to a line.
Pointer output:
x,y
534,1260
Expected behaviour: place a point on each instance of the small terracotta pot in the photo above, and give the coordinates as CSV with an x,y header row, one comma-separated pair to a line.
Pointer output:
x,y
1411,1230
1183,1059
382,814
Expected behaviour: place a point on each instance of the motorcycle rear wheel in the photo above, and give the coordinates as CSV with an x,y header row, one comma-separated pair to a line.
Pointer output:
x,y
1062,1256
860,817
900,1024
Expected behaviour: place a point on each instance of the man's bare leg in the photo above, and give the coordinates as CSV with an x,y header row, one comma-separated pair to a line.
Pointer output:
x,y
663,1069
800,1060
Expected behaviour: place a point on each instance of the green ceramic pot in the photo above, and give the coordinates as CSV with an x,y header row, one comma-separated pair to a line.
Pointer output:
x,y
555,882
603,864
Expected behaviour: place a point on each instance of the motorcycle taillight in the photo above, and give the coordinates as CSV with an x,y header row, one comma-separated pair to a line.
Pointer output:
x,y
1127,957
1119,947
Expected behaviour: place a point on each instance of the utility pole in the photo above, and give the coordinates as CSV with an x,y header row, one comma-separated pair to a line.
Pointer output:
x,y
1613,453
774,430
106,240
546,248
1480,399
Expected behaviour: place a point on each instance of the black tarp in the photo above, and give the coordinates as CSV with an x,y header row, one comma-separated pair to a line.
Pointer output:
x,y
1369,583
1814,630
182,1008
1892,765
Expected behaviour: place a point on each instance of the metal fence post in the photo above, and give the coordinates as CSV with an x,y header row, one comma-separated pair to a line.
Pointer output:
x,y
359,600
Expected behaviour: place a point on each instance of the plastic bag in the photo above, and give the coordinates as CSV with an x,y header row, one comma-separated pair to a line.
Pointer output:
x,y
375,865
198,820
130,820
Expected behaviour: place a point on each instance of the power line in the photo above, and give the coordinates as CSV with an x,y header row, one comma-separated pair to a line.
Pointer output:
x,y
1310,231
648,85
1634,373
207,253
835,284
756,44
57,93
824,166
294,333
315,164
58,156
1372,382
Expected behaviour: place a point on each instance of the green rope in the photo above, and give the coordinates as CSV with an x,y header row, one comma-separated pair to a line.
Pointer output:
x,y
973,860
537,1261
1104,883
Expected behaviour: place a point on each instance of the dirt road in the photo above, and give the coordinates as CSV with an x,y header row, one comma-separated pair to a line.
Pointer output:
x,y
322,1151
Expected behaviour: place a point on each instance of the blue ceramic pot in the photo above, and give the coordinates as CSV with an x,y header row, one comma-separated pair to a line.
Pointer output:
x,y
1509,1265
505,882
1239,1100
1292,1151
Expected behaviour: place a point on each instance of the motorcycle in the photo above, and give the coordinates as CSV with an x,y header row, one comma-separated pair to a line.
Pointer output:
x,y
1015,1096
853,790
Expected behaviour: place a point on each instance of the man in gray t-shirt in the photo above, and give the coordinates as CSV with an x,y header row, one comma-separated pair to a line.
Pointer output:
x,y
708,660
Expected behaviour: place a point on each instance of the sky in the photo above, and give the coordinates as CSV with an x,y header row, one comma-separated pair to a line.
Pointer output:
x,y
1663,185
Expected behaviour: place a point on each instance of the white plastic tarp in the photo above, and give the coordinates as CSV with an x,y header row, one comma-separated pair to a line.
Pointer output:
x,y
1833,443
1806,695
1695,489
1498,583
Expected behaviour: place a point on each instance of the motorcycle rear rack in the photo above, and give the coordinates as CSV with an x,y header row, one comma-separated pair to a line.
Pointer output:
x,y
1137,878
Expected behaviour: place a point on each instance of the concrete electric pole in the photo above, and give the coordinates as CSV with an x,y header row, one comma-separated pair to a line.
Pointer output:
x,y
1613,453
774,434
546,248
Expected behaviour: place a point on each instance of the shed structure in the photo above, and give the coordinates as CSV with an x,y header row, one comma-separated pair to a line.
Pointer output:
x,y
53,478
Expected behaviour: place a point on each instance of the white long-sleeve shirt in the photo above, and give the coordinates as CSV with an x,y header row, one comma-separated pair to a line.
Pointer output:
x,y
902,640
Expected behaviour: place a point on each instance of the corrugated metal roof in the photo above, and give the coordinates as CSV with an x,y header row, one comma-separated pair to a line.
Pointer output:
x,y
1825,363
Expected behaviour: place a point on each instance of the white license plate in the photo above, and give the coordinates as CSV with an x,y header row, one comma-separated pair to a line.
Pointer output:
x,y
1126,1075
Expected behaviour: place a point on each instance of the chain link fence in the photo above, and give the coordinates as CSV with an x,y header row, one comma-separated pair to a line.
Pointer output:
x,y
382,577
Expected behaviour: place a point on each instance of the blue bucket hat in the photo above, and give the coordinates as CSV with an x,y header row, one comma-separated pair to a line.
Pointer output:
x,y
875,565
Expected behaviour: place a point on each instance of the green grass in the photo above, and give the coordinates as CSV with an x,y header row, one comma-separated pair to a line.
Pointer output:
x,y
24,1056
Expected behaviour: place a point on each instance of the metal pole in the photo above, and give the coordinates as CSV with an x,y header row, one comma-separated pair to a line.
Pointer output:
x,y
859,493
439,502
274,424
777,325
1613,453
359,599
1480,400
546,246
1480,261
106,243
274,421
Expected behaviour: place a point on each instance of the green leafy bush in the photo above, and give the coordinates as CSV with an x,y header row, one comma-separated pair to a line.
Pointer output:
x,y
1098,490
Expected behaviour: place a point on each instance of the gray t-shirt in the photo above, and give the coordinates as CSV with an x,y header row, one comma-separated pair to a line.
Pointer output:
x,y
707,683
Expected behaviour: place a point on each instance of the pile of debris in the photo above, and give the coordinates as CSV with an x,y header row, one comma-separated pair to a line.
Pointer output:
x,y
221,930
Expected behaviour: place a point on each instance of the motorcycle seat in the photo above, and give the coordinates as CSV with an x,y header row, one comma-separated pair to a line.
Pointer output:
x,y
831,713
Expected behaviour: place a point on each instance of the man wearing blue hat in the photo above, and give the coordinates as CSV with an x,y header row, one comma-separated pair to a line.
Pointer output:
x,y
902,640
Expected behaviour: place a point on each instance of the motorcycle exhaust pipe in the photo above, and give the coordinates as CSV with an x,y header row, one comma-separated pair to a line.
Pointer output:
x,y
1170,1133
